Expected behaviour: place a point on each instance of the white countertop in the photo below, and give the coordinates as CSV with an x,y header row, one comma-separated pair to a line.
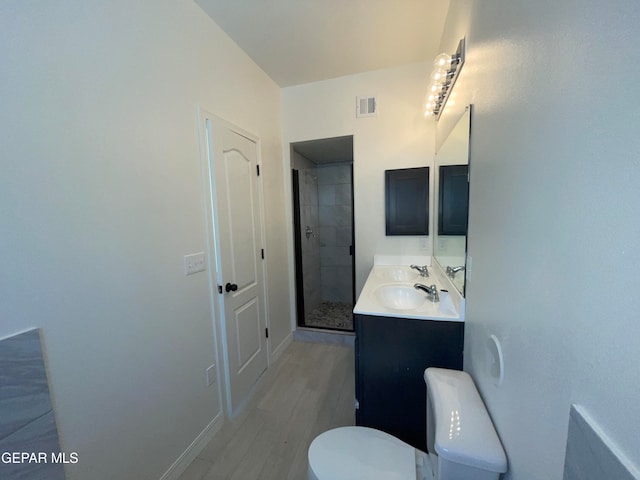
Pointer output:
x,y
369,302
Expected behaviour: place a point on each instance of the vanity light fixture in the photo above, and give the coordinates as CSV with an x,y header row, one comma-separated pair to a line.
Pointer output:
x,y
444,76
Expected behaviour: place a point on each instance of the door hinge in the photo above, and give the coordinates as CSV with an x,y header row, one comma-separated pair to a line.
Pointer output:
x,y
266,332
258,169
262,253
219,288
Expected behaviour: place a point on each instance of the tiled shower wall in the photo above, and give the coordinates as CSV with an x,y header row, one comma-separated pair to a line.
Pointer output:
x,y
335,232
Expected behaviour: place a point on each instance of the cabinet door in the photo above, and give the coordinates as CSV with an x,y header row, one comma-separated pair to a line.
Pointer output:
x,y
391,356
407,201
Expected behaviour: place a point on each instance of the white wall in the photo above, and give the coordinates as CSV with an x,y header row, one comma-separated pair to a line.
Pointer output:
x,y
100,198
398,137
554,227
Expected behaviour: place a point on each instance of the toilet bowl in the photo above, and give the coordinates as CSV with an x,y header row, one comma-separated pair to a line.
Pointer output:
x,y
462,442
349,453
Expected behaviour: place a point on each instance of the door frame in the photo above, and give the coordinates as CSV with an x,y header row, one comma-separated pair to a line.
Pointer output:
x,y
296,278
213,249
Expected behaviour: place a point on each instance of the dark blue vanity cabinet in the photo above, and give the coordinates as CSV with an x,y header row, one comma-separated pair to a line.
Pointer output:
x,y
391,356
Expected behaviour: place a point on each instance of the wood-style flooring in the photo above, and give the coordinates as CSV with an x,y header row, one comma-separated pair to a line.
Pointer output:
x,y
309,390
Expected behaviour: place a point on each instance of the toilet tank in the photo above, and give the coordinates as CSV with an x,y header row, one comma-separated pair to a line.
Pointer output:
x,y
461,439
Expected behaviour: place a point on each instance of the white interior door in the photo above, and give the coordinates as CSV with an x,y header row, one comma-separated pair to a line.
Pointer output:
x,y
239,257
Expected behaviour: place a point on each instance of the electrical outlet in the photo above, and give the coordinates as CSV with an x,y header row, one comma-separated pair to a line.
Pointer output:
x,y
211,375
194,263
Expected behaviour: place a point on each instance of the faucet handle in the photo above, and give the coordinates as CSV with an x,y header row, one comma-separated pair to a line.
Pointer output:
x,y
434,294
431,291
424,272
451,271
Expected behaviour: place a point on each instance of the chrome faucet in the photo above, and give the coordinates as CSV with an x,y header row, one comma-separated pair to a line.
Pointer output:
x,y
432,291
451,271
423,270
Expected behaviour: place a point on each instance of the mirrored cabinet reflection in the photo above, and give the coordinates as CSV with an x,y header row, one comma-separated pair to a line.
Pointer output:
x,y
453,201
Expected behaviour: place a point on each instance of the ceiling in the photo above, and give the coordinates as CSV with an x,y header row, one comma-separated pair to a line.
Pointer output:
x,y
303,41
326,150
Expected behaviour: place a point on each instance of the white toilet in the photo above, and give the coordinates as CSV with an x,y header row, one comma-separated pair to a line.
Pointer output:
x,y
461,439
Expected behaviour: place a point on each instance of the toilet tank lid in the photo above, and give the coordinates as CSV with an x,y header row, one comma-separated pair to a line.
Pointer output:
x,y
464,431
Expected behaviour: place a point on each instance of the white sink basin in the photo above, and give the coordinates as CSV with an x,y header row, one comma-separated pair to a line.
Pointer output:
x,y
398,274
400,297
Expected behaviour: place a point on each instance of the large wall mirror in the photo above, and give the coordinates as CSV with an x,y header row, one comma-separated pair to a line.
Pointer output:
x,y
452,201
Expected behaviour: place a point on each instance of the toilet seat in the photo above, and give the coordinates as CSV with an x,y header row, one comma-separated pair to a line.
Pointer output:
x,y
349,453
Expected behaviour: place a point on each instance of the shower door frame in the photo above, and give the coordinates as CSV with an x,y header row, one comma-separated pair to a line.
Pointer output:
x,y
297,247
297,250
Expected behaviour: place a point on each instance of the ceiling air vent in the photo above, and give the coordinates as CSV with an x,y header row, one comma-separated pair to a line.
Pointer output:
x,y
366,106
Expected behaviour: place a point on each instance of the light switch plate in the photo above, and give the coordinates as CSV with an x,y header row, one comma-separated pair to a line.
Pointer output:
x,y
194,263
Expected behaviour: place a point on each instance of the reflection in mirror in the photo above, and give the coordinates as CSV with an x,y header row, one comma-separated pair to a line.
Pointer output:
x,y
452,201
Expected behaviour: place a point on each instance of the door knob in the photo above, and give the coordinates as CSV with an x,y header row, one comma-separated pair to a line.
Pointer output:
x,y
230,287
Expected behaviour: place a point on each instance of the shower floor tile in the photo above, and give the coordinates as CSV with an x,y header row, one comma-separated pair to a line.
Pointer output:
x,y
334,315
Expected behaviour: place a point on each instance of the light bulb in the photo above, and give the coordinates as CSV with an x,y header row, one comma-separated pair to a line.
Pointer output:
x,y
436,78
440,75
429,108
442,61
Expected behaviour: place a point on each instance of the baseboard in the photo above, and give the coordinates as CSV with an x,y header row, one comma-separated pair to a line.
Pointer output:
x,y
193,450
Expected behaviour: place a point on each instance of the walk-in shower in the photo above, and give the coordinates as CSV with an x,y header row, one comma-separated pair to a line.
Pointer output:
x,y
322,173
